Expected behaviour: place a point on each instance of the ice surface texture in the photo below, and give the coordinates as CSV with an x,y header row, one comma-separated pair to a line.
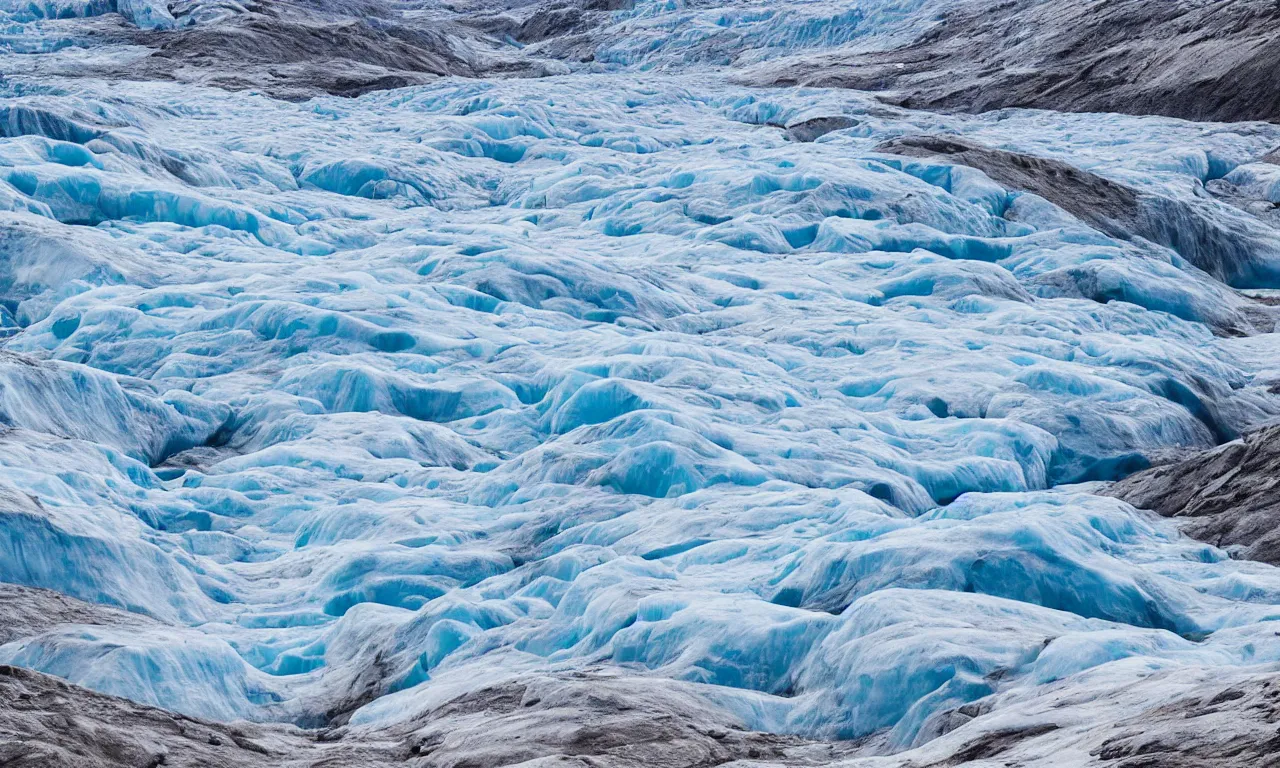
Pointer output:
x,y
367,403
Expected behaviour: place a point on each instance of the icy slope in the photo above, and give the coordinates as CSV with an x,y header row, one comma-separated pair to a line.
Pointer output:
x,y
365,405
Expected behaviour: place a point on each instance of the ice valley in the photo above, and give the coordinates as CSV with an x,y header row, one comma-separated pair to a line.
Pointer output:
x,y
502,404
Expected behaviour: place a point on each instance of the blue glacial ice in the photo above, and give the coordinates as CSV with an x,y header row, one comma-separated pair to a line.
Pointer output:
x,y
487,378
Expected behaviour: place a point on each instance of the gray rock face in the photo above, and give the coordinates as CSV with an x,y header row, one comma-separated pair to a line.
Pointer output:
x,y
299,49
579,721
573,20
583,722
1228,725
26,611
45,722
812,129
596,720
1223,721
1195,59
1229,497
346,55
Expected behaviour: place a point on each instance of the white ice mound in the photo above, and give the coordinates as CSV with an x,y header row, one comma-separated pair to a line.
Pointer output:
x,y
76,401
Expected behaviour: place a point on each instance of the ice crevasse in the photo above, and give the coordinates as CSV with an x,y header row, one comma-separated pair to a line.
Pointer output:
x,y
488,378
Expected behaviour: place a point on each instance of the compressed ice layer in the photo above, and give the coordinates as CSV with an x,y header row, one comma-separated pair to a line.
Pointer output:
x,y
462,382
78,401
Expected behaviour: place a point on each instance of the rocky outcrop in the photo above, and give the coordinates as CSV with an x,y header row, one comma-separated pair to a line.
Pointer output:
x,y
1228,497
1230,724
580,720
1194,59
586,721
27,611
46,722
297,49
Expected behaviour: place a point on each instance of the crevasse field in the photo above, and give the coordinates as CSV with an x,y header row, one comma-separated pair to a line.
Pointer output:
x,y
601,372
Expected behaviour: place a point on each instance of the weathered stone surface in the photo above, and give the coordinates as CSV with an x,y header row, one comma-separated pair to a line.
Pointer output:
x,y
814,128
1195,59
578,720
45,722
26,611
299,49
1229,497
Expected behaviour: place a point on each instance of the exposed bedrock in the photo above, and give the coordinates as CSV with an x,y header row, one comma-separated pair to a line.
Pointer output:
x,y
1229,725
29,611
46,722
1226,722
1194,59
817,127
1223,722
578,720
1229,497
297,50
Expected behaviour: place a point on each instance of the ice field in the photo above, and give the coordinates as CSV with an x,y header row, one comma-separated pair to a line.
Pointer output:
x,y
487,378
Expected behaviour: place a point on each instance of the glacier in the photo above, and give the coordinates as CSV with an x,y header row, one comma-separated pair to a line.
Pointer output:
x,y
344,408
